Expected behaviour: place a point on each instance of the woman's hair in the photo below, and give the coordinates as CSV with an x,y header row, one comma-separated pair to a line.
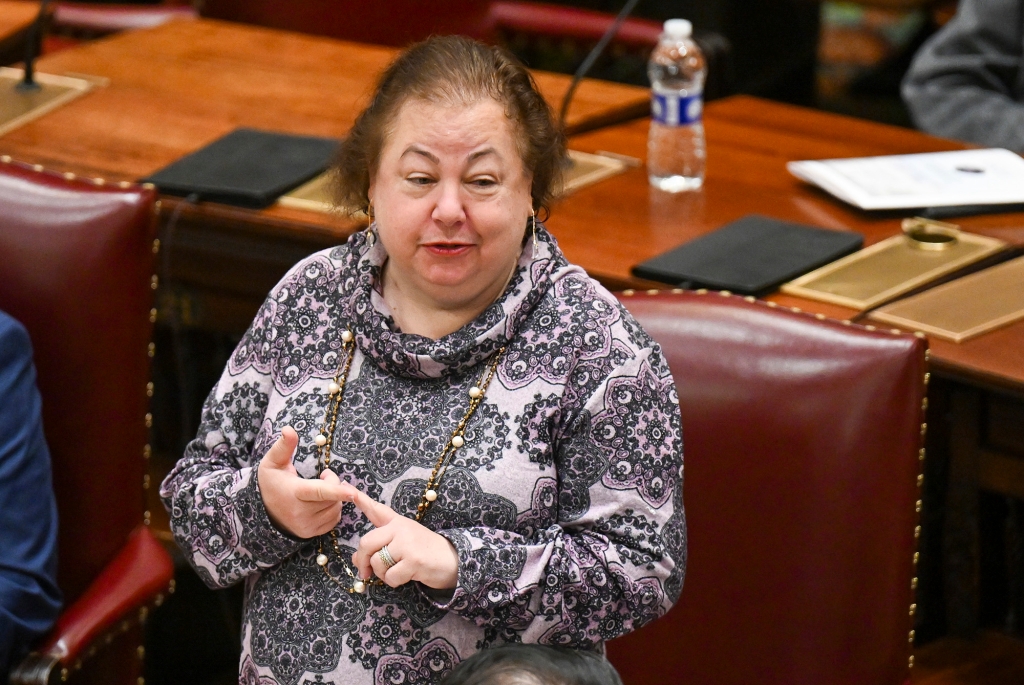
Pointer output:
x,y
519,664
453,70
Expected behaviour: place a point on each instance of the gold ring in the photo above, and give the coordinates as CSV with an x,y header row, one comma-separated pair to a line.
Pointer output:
x,y
385,557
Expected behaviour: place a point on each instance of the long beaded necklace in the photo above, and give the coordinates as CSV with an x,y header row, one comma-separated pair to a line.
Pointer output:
x,y
323,441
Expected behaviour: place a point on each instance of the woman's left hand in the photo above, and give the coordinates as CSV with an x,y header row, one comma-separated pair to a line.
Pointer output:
x,y
419,553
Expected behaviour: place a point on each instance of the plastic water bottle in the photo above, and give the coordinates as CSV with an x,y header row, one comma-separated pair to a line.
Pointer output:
x,y
675,144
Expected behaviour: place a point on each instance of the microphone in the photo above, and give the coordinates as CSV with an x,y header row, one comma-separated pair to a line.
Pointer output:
x,y
32,45
592,57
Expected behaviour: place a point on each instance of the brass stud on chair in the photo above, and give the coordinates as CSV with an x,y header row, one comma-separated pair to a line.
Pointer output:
x,y
820,317
629,292
151,349
920,454
145,481
154,282
149,186
6,159
702,291
913,583
149,420
920,334
917,532
924,429
910,662
653,291
869,327
725,293
171,586
37,167
910,637
152,315
913,609
99,181
140,652
796,310
64,675
920,479
159,599
149,389
124,184
147,452
771,304
156,245
677,291
750,298
917,506
146,520
69,176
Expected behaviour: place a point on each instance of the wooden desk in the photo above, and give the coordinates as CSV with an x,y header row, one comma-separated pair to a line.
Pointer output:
x,y
613,225
179,86
15,18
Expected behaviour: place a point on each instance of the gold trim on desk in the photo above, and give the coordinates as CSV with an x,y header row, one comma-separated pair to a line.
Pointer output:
x,y
893,267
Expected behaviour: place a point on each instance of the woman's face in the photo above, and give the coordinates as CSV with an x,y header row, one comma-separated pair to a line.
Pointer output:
x,y
451,199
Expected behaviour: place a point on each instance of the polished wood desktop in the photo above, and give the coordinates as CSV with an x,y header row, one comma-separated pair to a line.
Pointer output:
x,y
174,88
620,222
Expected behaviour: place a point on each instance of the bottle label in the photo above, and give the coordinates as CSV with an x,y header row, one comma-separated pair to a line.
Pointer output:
x,y
671,109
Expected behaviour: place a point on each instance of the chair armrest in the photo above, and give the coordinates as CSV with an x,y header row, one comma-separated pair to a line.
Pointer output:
x,y
140,572
111,18
554,20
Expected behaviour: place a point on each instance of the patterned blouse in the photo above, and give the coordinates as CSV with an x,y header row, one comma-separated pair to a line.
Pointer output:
x,y
564,504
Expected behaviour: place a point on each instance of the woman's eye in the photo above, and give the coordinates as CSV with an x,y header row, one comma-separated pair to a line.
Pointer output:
x,y
420,180
483,182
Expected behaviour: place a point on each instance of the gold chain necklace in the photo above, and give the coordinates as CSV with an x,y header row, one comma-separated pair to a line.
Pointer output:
x,y
323,441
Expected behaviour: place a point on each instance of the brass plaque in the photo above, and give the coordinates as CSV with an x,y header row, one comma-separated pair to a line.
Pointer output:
x,y
897,265
964,308
586,170
18,107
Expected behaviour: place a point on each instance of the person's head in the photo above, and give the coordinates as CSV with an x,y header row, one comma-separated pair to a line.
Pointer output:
x,y
519,664
454,153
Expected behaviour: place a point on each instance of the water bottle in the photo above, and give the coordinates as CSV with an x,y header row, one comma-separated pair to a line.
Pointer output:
x,y
675,144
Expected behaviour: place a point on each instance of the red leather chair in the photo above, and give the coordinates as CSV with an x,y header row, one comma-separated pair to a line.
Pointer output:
x,y
802,442
76,268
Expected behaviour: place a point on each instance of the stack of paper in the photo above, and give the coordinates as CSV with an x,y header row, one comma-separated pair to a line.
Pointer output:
x,y
934,179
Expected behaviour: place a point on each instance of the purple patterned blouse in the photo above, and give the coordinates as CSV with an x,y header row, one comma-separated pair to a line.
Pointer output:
x,y
564,505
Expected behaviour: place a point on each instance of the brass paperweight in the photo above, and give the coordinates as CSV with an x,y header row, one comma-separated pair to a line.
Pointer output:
x,y
19,106
586,169
925,251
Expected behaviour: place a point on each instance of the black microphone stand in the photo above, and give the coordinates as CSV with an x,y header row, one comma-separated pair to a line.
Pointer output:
x,y
32,46
592,57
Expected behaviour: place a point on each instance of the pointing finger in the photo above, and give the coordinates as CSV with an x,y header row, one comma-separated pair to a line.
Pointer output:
x,y
321,491
379,514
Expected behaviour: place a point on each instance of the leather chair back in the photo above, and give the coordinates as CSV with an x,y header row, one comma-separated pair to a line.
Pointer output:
x,y
801,447
395,22
76,262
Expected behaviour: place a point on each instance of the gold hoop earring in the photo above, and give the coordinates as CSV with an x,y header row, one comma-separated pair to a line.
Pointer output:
x,y
369,216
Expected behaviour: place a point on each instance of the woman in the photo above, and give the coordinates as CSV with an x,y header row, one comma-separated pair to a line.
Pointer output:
x,y
440,436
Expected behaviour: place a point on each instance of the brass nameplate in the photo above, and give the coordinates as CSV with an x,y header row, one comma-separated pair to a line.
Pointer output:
x,y
880,273
964,308
586,169
18,107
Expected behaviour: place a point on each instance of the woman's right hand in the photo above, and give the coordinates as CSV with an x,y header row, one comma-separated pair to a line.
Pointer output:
x,y
299,506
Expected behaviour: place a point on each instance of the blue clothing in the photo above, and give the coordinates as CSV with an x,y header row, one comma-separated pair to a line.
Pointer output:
x,y
29,597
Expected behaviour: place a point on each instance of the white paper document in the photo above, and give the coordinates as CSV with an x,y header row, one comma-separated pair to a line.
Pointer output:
x,y
932,179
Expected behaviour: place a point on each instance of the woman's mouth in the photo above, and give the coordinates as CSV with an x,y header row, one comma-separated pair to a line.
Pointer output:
x,y
448,249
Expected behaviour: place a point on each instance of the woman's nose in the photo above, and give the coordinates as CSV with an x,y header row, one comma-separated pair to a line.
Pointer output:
x,y
449,209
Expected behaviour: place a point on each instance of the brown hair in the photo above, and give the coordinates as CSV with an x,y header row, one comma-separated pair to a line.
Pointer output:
x,y
458,71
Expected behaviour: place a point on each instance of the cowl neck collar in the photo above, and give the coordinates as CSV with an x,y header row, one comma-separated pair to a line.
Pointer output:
x,y
416,356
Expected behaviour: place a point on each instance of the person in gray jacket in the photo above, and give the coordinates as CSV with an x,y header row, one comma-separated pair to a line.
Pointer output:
x,y
967,81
